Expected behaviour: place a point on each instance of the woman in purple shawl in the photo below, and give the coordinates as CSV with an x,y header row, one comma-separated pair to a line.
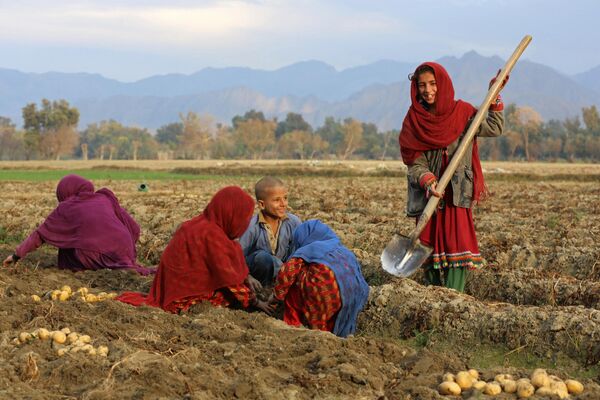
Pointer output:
x,y
90,229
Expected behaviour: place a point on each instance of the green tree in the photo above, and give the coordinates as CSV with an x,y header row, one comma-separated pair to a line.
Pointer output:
x,y
292,122
249,115
170,135
50,130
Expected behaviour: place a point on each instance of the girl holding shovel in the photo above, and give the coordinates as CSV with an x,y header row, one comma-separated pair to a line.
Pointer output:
x,y
430,134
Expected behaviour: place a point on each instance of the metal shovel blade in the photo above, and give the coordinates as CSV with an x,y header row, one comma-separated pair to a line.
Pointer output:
x,y
403,256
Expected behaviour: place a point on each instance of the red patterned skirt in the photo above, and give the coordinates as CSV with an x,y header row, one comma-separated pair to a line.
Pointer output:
x,y
451,233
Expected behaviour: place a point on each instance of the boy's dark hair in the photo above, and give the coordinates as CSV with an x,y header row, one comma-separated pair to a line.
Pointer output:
x,y
263,185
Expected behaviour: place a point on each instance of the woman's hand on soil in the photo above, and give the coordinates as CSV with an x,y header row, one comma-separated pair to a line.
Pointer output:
x,y
253,284
265,307
8,260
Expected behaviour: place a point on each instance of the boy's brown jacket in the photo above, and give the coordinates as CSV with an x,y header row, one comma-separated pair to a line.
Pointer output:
x,y
462,180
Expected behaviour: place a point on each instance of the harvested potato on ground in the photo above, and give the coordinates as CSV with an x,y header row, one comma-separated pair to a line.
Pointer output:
x,y
474,373
59,337
24,337
449,388
509,386
540,379
43,333
464,380
36,298
72,337
66,288
479,385
85,338
64,296
103,351
574,386
492,389
525,390
448,377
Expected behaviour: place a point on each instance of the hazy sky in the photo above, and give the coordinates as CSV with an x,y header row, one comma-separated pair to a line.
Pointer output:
x,y
130,40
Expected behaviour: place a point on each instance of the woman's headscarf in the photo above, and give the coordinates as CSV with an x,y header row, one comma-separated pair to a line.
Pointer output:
x,y
422,130
93,221
202,256
315,242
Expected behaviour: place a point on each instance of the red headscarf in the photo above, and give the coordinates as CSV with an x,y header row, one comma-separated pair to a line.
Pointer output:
x,y
422,130
202,256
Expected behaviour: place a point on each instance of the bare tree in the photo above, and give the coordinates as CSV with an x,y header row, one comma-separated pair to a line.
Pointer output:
x,y
257,136
352,140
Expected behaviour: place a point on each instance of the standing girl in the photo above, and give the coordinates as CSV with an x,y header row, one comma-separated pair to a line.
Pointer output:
x,y
431,131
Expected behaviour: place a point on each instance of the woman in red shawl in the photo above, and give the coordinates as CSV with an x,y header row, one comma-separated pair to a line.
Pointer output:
x,y
90,229
430,135
204,261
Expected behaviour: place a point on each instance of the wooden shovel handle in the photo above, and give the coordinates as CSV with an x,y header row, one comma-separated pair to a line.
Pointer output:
x,y
468,137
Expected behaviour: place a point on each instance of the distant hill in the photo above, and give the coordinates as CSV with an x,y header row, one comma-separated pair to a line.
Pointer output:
x,y
376,92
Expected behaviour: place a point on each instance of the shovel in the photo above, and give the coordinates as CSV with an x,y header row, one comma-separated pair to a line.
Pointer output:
x,y
404,255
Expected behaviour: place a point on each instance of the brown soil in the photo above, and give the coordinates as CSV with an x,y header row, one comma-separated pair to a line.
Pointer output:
x,y
538,293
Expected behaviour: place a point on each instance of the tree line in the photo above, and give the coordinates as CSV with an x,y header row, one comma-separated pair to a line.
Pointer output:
x,y
50,132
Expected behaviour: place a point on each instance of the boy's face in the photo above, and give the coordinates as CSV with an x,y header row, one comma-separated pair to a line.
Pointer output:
x,y
275,203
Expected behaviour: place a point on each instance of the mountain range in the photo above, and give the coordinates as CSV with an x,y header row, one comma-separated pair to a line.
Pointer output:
x,y
377,92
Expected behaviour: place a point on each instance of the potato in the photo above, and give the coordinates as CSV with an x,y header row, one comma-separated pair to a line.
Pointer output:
x,y
103,351
36,298
509,386
544,391
474,373
91,298
521,380
64,296
448,377
479,385
66,331
76,349
43,333
82,290
85,338
54,295
559,388
66,288
87,348
92,352
464,380
450,388
492,389
539,371
59,337
62,351
111,295
540,379
525,390
574,386
502,377
72,337
24,337
16,341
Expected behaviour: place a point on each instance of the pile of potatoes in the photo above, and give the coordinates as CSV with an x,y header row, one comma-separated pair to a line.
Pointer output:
x,y
63,341
65,293
540,383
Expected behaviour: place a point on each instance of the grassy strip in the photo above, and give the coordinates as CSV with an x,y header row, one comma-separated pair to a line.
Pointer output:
x,y
99,174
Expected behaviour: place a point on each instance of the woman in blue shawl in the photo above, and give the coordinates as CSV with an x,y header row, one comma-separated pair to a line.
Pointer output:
x,y
321,285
